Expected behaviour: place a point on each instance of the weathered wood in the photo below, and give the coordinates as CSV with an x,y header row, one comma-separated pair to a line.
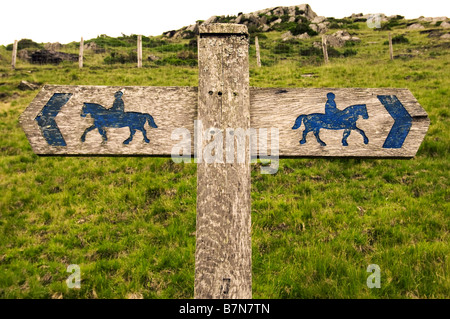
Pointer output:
x,y
223,252
14,55
139,51
324,48
258,53
270,108
171,108
391,50
80,57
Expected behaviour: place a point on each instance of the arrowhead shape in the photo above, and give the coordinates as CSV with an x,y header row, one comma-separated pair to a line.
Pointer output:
x,y
402,124
46,119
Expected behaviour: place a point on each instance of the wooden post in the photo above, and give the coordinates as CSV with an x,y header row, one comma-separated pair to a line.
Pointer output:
x,y
258,54
139,51
324,48
391,50
223,252
80,57
14,55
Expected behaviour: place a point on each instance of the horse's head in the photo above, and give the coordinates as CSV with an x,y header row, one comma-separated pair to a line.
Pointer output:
x,y
363,111
85,110
92,109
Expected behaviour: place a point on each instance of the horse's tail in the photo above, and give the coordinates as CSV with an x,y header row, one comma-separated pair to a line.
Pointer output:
x,y
298,122
151,122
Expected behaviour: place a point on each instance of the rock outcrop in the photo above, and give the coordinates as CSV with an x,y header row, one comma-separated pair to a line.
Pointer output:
x,y
339,38
262,20
51,57
415,26
53,46
28,86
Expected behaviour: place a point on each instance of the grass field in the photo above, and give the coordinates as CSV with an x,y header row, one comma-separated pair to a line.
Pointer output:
x,y
317,224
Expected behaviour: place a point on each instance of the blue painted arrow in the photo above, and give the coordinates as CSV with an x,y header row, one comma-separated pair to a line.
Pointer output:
x,y
402,124
46,119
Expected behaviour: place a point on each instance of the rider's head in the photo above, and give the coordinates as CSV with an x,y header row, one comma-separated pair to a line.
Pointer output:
x,y
330,96
118,94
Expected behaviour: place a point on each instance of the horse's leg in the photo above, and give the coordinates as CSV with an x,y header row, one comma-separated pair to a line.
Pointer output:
x,y
102,132
132,132
305,132
144,133
366,139
90,128
344,137
316,134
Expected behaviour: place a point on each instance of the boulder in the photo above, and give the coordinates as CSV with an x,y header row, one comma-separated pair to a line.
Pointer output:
x,y
318,19
52,57
53,46
153,58
213,19
335,41
416,26
431,20
289,36
339,38
445,36
317,45
308,12
320,28
265,28
92,46
445,25
278,21
24,55
169,34
193,28
25,85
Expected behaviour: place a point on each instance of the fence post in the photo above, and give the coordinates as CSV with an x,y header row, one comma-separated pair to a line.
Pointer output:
x,y
14,55
258,54
80,57
391,49
139,51
324,48
223,257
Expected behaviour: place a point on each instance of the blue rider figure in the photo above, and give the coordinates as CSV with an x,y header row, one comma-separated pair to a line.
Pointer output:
x,y
118,105
330,107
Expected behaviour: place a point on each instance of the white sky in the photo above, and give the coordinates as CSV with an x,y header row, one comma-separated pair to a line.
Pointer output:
x,y
66,21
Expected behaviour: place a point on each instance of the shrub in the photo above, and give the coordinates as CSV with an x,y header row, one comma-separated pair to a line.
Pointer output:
x,y
397,39
186,55
170,47
25,44
349,52
225,19
176,61
282,48
116,57
311,51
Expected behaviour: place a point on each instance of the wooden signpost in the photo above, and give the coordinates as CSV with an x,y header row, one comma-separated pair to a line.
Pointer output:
x,y
323,122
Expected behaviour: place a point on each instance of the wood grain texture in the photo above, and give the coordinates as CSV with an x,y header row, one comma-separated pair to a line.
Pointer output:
x,y
391,49
273,107
80,56
258,53
14,55
223,253
325,48
175,107
139,51
171,108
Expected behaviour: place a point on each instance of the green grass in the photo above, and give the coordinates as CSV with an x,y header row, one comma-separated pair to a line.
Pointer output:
x,y
316,225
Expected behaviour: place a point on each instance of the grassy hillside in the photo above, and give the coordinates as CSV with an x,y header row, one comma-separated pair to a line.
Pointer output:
x,y
316,225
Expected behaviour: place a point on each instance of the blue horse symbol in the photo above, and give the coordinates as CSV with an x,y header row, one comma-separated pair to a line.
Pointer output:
x,y
333,119
116,118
